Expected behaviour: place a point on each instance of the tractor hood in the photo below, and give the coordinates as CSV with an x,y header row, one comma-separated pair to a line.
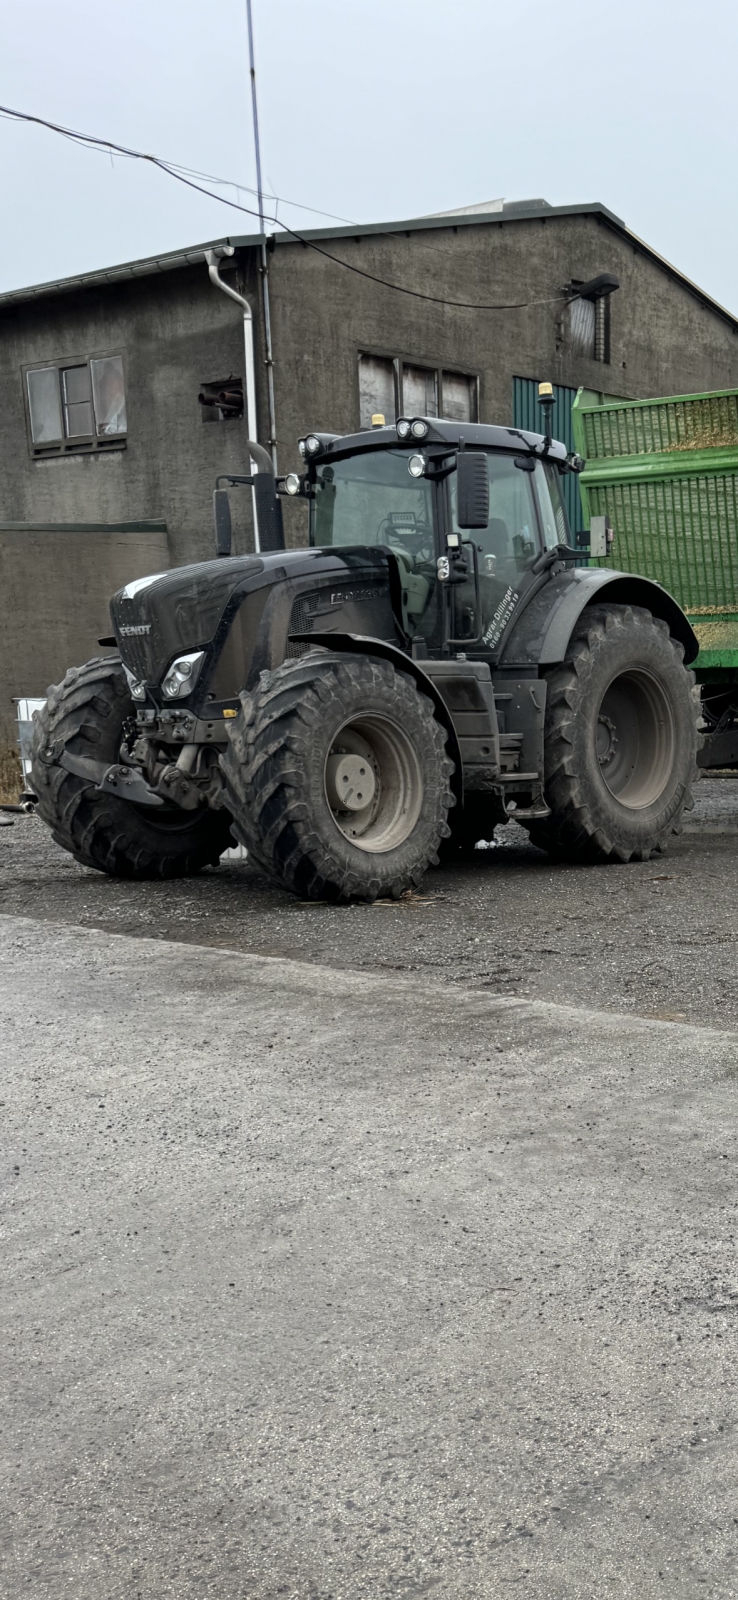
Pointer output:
x,y
191,608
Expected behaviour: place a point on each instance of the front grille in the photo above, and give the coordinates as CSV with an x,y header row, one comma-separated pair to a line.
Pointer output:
x,y
135,656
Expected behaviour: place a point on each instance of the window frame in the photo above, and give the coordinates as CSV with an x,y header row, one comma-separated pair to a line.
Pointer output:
x,y
399,362
79,443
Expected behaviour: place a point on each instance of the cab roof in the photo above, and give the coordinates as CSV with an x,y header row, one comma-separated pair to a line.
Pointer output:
x,y
483,435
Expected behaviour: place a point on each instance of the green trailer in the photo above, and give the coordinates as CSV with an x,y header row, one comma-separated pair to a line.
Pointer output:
x,y
665,474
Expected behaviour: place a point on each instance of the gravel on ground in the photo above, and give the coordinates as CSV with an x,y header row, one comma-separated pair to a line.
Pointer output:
x,y
656,939
330,1286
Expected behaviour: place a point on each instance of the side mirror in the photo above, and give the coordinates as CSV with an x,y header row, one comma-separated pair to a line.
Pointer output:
x,y
472,489
222,519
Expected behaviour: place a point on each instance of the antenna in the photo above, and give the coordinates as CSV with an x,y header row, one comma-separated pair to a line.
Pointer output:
x,y
256,115
269,362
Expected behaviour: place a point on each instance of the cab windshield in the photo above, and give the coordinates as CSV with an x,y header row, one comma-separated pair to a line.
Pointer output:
x,y
373,500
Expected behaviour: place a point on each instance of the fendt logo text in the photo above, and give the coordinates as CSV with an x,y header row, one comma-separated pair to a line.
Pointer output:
x,y
129,628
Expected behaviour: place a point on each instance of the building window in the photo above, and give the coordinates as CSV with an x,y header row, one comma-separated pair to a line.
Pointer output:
x,y
76,405
589,318
392,387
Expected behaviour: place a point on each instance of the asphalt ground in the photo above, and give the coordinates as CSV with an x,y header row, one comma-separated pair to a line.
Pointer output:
x,y
333,1286
657,939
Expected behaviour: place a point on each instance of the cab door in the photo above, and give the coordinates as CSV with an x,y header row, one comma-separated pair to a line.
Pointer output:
x,y
500,556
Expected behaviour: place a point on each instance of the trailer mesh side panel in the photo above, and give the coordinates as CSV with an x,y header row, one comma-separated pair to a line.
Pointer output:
x,y
679,530
698,422
666,474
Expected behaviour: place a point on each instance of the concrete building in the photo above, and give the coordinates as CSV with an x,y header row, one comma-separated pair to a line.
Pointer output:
x,y
108,457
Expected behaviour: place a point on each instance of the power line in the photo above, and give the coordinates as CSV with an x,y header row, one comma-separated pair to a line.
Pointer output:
x,y
91,141
102,146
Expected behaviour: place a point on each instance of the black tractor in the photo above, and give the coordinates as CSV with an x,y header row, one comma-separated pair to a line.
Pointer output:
x,y
438,660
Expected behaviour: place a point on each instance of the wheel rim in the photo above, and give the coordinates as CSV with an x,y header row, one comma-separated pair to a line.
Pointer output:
x,y
635,739
373,783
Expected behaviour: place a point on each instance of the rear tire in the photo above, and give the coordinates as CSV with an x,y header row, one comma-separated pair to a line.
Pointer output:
x,y
337,777
621,739
85,714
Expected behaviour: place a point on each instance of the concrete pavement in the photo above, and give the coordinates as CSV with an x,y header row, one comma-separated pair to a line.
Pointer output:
x,y
330,1286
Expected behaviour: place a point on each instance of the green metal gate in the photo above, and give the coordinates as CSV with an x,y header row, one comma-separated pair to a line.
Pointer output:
x,y
527,414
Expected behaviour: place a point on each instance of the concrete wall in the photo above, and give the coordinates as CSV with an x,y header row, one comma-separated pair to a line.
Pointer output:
x,y
55,588
663,339
176,331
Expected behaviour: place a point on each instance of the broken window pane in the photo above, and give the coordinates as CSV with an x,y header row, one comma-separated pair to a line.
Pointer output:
x,y
419,392
109,394
376,389
77,402
459,397
44,405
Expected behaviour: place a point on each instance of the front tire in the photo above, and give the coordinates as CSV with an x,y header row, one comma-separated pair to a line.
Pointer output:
x,y
85,714
620,739
337,777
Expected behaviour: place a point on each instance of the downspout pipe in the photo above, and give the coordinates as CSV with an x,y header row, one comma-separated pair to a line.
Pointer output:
x,y
213,259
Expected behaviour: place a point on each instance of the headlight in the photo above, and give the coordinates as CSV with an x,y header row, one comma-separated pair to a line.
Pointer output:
x,y
292,483
182,675
418,428
403,427
137,689
312,444
416,466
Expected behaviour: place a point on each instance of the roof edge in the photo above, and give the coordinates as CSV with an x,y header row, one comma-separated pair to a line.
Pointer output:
x,y
512,212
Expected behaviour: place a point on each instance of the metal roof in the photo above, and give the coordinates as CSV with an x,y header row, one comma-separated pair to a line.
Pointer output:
x,y
466,217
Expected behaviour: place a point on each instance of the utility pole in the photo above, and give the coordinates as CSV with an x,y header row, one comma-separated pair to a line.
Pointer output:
x,y
264,271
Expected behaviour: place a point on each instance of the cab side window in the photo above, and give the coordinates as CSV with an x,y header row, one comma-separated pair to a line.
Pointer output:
x,y
509,543
550,500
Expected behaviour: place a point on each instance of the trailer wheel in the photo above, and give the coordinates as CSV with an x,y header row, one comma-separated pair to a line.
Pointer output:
x,y
85,714
620,740
337,777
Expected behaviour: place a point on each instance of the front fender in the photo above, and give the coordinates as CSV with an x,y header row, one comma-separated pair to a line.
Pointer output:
x,y
541,636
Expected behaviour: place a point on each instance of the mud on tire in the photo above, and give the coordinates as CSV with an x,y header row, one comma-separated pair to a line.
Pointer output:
x,y
313,725
85,714
620,739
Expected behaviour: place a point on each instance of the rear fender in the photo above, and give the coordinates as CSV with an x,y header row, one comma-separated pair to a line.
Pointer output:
x,y
542,634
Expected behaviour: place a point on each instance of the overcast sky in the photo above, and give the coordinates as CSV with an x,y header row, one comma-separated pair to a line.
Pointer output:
x,y
371,109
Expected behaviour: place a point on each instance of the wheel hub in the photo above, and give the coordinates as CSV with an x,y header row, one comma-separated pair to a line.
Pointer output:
x,y
373,783
606,739
350,781
635,738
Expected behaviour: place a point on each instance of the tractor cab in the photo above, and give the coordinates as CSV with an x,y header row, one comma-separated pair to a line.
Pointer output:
x,y
468,513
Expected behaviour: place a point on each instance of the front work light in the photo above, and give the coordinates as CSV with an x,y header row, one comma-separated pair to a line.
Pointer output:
x,y
403,427
292,483
137,689
416,466
419,428
182,675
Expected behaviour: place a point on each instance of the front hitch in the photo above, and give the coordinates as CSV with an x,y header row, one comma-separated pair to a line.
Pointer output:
x,y
125,782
